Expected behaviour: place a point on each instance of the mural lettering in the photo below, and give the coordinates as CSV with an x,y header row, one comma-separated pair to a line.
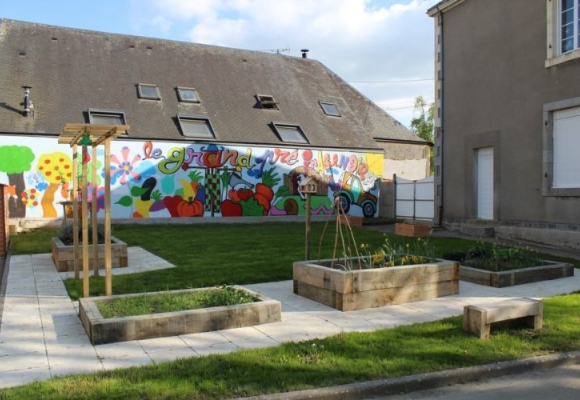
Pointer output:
x,y
162,180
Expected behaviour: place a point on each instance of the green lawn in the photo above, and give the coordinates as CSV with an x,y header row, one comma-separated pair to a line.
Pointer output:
x,y
225,254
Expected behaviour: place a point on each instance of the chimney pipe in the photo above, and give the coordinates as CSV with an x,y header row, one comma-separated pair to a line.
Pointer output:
x,y
27,103
304,53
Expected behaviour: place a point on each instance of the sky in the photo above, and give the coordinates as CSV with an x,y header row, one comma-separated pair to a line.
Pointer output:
x,y
384,48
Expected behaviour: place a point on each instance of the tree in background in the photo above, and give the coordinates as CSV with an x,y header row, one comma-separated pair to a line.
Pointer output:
x,y
423,124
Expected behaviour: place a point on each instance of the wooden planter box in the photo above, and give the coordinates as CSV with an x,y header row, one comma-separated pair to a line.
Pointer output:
x,y
108,330
350,220
368,288
63,255
412,230
501,279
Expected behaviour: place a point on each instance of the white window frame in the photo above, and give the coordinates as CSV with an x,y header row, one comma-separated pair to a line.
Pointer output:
x,y
561,165
189,120
112,117
267,102
555,55
181,91
143,89
329,108
290,133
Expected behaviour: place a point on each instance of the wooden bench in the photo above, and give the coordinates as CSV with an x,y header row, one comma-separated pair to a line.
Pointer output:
x,y
478,318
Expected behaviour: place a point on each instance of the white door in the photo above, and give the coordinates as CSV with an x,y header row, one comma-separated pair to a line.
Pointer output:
x,y
485,183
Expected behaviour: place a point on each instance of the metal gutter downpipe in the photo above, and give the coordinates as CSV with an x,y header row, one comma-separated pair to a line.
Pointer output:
x,y
442,118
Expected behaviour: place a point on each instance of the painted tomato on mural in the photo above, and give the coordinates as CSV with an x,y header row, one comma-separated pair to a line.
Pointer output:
x,y
183,180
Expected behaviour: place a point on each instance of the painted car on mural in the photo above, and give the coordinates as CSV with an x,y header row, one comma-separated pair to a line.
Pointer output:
x,y
352,192
170,180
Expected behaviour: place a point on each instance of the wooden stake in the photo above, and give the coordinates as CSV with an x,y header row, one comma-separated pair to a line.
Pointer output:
x,y
94,211
108,268
85,226
75,202
307,252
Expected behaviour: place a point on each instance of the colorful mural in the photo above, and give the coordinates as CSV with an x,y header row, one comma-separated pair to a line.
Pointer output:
x,y
165,180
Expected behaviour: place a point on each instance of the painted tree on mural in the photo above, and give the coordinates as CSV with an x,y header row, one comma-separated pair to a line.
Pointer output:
x,y
57,170
14,161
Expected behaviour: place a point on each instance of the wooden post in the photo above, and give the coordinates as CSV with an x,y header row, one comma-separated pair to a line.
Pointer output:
x,y
307,254
94,211
108,272
85,227
75,202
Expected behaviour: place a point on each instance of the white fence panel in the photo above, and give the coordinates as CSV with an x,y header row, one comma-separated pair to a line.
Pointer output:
x,y
415,199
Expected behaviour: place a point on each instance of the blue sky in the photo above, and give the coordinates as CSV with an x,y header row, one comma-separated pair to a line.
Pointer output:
x,y
384,48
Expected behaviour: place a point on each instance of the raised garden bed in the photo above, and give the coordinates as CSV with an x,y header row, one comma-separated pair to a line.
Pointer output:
x,y
377,287
108,330
551,270
63,255
412,230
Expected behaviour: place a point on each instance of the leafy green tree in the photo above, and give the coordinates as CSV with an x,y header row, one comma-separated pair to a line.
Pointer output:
x,y
15,160
422,125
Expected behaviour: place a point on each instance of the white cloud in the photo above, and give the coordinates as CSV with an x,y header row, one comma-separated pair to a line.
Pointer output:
x,y
380,40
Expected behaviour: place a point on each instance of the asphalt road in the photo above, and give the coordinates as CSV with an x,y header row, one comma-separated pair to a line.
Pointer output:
x,y
560,383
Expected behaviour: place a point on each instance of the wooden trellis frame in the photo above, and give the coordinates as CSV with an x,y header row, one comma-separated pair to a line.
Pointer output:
x,y
73,135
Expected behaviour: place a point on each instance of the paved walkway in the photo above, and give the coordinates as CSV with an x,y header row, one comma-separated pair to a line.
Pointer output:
x,y
41,335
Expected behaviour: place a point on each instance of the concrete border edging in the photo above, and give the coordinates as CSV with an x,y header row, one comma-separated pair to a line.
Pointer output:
x,y
412,383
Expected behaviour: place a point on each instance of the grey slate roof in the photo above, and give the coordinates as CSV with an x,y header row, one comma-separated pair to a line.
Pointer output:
x,y
72,70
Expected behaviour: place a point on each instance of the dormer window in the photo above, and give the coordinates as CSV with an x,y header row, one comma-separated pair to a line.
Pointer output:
x,y
195,127
106,117
149,92
187,95
329,108
267,102
291,133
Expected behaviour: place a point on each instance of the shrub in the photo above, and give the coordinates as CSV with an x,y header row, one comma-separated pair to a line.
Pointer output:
x,y
66,234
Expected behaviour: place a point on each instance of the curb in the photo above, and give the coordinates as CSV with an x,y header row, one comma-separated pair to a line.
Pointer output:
x,y
412,383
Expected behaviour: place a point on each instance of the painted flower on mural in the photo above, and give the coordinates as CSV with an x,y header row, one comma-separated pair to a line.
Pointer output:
x,y
29,198
124,169
100,196
37,181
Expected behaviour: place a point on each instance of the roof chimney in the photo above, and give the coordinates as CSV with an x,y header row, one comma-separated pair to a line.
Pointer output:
x,y
27,102
304,53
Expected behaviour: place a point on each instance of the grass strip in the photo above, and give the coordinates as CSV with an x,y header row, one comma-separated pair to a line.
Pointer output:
x,y
340,359
226,254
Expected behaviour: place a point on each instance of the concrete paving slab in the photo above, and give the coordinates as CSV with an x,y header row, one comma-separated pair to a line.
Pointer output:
x,y
172,355
41,335
204,339
162,344
22,377
219,348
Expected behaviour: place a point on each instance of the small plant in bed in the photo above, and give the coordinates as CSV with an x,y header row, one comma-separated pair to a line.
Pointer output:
x,y
170,302
390,254
498,257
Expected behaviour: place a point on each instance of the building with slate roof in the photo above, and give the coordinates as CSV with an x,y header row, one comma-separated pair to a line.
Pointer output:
x,y
214,131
